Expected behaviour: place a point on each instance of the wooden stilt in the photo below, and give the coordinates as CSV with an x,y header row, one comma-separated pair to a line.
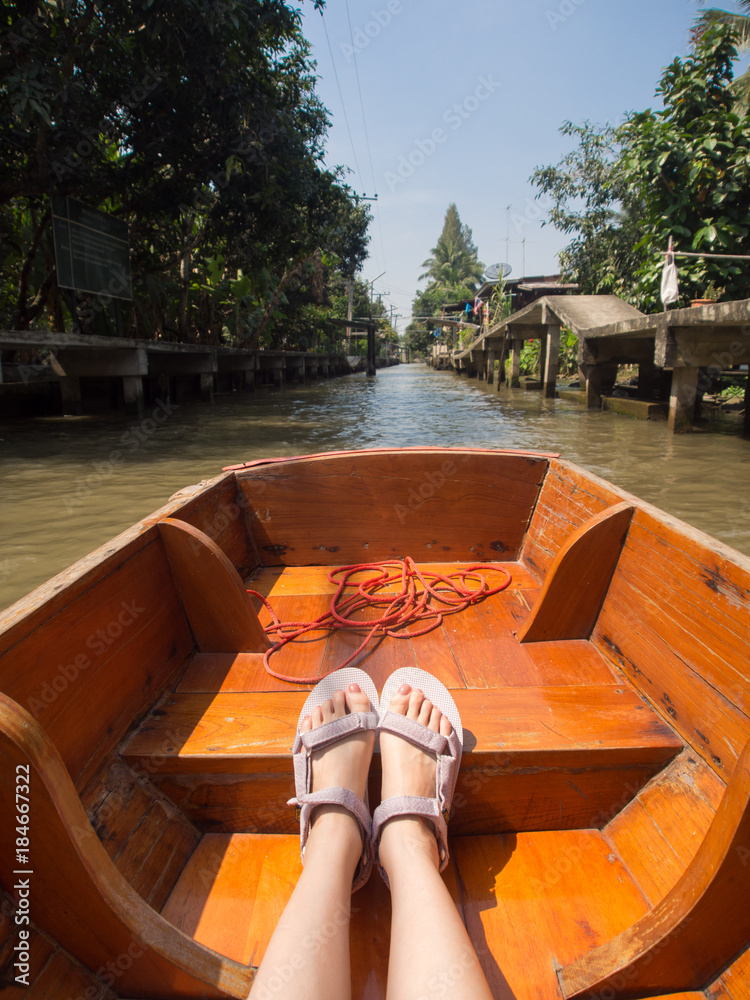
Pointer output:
x,y
490,367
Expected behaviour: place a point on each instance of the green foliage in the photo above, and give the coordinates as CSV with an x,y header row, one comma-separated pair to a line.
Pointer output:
x,y
197,123
680,172
590,200
690,166
740,24
531,355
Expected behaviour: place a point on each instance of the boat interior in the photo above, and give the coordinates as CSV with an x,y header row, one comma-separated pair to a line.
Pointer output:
x,y
600,835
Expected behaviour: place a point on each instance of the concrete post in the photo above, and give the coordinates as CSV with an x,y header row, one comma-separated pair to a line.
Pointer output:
x,y
593,375
646,377
132,391
501,367
551,360
682,400
70,393
515,364
207,387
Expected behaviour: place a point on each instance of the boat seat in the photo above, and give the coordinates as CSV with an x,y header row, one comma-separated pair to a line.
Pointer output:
x,y
535,758
77,894
699,926
216,602
577,581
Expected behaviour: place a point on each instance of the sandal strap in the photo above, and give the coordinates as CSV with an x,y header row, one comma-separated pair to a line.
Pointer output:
x,y
344,797
411,805
334,731
414,732
350,801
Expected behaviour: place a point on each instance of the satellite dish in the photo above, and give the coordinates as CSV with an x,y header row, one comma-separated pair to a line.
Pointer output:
x,y
497,271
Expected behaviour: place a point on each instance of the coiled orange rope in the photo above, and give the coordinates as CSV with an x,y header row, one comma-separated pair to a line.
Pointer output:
x,y
424,599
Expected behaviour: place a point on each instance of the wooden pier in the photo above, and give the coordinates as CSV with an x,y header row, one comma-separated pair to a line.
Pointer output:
x,y
685,346
139,370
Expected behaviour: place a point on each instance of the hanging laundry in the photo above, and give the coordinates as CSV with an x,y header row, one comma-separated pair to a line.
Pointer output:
x,y
670,286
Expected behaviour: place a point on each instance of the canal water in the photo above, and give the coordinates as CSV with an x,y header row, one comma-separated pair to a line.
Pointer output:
x,y
69,484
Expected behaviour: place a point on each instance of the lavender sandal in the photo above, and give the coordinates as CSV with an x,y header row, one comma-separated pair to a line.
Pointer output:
x,y
304,743
447,749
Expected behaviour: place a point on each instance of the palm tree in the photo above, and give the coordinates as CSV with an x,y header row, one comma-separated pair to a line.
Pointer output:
x,y
741,25
454,257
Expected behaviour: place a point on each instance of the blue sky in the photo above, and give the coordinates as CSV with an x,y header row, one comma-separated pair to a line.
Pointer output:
x,y
462,101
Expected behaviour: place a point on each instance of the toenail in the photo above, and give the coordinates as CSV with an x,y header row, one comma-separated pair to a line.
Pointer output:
x,y
404,689
354,688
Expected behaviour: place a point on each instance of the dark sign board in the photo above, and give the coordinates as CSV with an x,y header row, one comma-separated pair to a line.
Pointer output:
x,y
92,251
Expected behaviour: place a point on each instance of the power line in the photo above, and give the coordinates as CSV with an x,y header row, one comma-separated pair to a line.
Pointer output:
x,y
367,135
341,97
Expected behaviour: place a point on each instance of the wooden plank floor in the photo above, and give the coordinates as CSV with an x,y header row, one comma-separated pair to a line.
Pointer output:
x,y
529,901
474,649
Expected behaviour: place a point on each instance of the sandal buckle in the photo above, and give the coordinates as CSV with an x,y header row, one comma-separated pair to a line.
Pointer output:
x,y
297,813
446,814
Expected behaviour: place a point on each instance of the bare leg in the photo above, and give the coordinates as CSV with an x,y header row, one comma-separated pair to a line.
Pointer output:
x,y
308,955
431,953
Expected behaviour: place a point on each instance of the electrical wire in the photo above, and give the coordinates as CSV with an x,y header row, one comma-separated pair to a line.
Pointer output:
x,y
343,105
367,135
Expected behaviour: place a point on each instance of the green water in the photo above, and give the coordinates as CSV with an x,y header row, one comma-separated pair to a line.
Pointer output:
x,y
69,484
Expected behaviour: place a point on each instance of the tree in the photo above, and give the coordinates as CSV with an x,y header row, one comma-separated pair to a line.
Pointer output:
x,y
591,201
689,166
195,122
682,172
740,23
454,258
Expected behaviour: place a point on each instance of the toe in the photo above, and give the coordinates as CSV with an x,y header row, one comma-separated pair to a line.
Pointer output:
x,y
445,726
400,700
436,717
317,716
356,699
339,704
425,711
306,724
415,703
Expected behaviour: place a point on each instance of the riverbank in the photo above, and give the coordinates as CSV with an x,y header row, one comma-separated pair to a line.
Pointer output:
x,y
70,484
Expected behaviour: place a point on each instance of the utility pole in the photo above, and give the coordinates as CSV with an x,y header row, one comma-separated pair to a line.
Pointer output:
x,y
349,315
371,366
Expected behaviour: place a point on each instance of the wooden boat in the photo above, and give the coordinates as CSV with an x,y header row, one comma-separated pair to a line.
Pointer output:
x,y
601,833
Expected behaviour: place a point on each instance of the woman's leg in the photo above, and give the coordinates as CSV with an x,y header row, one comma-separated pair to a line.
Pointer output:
x,y
308,955
431,953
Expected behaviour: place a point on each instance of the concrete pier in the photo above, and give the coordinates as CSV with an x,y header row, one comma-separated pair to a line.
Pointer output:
x,y
688,346
138,365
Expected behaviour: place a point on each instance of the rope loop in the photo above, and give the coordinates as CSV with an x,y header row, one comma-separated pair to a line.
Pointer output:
x,y
423,600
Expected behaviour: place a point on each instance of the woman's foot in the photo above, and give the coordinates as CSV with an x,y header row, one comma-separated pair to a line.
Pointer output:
x,y
408,770
344,764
